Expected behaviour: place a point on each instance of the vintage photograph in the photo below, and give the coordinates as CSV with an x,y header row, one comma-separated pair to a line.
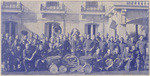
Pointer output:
x,y
75,37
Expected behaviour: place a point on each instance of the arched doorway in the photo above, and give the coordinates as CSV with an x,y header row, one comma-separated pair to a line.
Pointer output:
x,y
52,29
91,29
10,27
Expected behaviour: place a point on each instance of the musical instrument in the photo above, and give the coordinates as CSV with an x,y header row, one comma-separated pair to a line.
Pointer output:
x,y
53,68
62,69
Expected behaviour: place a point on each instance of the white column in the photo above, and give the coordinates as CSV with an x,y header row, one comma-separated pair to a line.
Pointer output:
x,y
10,28
92,31
52,33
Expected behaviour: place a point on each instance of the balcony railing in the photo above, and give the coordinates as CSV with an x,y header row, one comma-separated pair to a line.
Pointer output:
x,y
93,9
138,3
52,8
12,5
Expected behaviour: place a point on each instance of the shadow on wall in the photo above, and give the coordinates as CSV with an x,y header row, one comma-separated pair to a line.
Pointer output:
x,y
28,15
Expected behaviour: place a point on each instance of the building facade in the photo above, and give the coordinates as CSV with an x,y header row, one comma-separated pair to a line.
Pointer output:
x,y
118,19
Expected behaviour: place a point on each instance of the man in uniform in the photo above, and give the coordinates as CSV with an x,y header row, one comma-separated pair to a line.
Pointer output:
x,y
40,56
88,46
28,61
131,42
66,45
31,37
17,38
141,46
111,44
122,45
103,46
18,59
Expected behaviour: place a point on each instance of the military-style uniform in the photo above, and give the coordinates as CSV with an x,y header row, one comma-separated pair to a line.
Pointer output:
x,y
40,62
122,46
67,46
29,64
141,45
88,45
58,49
126,60
111,45
18,58
103,47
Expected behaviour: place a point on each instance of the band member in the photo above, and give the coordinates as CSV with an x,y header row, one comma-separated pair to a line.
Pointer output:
x,y
97,61
135,53
66,45
18,59
10,41
17,38
76,45
31,37
122,45
111,44
141,46
40,56
14,45
126,60
98,38
131,42
7,37
37,39
7,59
45,45
107,61
103,46
58,48
50,50
28,61
88,46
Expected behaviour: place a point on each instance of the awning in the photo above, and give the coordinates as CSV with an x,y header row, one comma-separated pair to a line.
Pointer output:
x,y
139,21
113,24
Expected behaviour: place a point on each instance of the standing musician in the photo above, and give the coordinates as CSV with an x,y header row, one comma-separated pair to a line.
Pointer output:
x,y
28,61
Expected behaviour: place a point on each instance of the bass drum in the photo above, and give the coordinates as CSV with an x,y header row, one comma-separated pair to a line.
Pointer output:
x,y
80,69
109,62
70,60
62,69
87,68
53,69
117,62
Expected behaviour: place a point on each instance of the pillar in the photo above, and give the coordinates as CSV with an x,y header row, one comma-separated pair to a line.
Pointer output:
x,y
136,30
92,31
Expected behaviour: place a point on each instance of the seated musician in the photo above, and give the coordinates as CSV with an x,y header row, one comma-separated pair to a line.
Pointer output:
x,y
108,62
97,61
111,59
28,60
127,57
18,58
58,48
40,56
88,51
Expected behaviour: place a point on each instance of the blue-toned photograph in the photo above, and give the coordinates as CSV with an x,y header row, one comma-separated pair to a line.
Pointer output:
x,y
75,37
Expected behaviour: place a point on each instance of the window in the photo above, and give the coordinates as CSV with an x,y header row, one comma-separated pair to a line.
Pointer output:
x,y
91,4
52,28
52,3
91,29
10,27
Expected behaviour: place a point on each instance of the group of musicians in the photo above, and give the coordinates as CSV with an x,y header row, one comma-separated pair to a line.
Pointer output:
x,y
29,52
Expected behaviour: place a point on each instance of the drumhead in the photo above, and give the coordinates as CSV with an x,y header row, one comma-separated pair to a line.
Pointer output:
x,y
87,68
53,69
62,69
80,69
109,62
